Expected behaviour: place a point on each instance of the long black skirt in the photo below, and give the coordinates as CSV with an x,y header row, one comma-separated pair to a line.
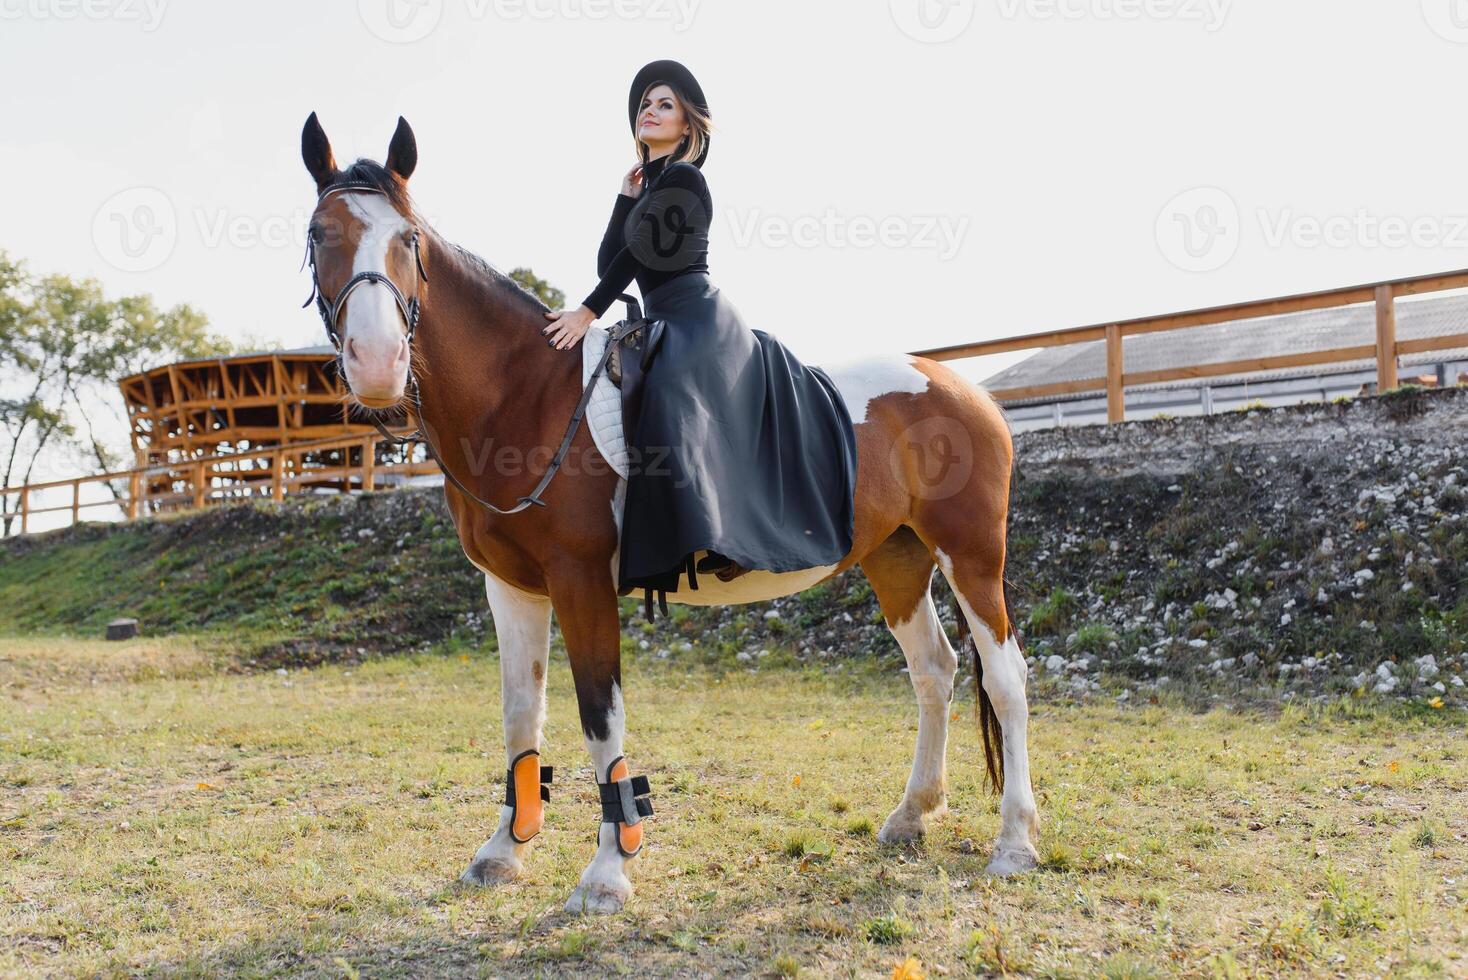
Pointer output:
x,y
739,448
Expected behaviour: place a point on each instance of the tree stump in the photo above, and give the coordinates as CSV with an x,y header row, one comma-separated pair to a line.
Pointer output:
x,y
122,629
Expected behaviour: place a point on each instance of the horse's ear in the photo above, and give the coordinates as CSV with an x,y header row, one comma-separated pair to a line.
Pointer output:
x,y
402,152
316,152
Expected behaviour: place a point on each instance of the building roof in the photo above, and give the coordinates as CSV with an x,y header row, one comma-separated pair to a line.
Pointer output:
x,y
321,349
1236,340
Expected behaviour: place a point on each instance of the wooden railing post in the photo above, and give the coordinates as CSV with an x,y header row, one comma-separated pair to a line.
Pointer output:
x,y
1386,339
134,485
76,502
369,463
1115,392
25,508
199,486
277,475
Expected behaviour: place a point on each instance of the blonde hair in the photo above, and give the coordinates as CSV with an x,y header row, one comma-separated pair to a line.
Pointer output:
x,y
700,125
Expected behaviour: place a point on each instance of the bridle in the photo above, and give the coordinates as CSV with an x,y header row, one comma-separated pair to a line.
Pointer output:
x,y
331,310
410,310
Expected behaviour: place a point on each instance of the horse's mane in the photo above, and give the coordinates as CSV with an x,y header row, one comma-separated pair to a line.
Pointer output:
x,y
498,278
378,177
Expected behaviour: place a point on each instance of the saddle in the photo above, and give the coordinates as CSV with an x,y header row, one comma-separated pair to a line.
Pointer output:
x,y
631,346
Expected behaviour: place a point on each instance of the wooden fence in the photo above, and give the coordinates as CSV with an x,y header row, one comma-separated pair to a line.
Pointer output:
x,y
277,470
1385,350
273,472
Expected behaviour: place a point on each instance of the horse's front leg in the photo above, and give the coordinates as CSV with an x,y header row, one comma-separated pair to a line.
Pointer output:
x,y
586,607
522,625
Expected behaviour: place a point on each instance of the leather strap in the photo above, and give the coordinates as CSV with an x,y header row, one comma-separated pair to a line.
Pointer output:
x,y
617,332
624,802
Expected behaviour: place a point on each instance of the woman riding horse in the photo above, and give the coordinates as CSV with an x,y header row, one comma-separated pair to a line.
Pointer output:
x,y
745,421
744,450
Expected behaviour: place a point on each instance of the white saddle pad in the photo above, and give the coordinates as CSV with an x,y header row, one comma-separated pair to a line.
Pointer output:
x,y
604,411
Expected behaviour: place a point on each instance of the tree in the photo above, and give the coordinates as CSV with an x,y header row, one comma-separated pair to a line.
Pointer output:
x,y
63,347
548,294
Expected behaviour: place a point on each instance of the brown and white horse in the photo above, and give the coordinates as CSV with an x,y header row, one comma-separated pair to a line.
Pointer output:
x,y
933,473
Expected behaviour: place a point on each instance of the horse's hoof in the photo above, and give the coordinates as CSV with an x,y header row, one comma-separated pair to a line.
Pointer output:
x,y
491,871
1012,861
599,899
901,829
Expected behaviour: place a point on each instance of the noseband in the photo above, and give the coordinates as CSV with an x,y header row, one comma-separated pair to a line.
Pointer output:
x,y
331,310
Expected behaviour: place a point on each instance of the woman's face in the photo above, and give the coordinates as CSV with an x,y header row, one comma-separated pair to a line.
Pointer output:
x,y
660,121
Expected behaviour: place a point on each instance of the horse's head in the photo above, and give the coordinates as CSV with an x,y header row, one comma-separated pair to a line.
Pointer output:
x,y
364,252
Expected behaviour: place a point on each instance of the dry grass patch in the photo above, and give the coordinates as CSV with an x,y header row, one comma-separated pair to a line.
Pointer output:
x,y
315,824
30,667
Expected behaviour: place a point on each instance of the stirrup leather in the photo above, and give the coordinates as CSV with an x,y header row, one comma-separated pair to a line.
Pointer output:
x,y
624,802
527,790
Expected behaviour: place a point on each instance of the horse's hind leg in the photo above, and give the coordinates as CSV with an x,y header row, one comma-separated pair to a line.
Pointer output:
x,y
522,624
976,575
901,572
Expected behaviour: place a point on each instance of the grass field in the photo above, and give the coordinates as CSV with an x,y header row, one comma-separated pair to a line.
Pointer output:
x,y
160,814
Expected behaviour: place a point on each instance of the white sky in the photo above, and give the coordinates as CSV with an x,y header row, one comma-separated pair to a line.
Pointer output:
x,y
1049,138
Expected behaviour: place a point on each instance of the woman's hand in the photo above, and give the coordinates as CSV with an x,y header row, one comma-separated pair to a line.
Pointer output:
x,y
568,327
632,181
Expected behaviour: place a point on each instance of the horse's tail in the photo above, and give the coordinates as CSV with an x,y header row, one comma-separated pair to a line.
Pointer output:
x,y
989,727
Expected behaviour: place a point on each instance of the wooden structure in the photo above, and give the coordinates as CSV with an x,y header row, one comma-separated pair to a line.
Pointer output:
x,y
225,429
221,409
1385,350
354,463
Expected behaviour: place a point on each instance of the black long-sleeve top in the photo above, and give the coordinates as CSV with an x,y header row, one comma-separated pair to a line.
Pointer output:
x,y
657,236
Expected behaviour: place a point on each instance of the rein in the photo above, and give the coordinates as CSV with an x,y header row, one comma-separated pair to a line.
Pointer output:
x,y
410,310
615,336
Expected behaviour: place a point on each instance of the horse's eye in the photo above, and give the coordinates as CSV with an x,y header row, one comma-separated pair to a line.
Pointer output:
x,y
316,234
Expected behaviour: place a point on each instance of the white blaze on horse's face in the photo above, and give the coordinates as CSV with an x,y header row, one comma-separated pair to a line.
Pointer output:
x,y
374,337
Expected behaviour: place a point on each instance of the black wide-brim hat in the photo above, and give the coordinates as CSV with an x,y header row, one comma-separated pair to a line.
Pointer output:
x,y
675,75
